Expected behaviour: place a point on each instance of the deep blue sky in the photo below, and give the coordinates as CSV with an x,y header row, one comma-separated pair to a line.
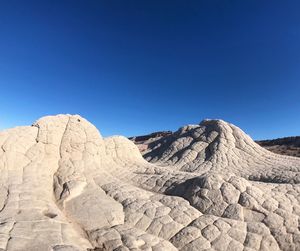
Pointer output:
x,y
133,67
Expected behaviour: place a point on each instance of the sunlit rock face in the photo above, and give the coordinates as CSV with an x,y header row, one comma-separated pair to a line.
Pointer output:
x,y
209,187
215,145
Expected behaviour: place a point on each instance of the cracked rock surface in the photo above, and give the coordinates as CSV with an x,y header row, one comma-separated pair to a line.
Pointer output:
x,y
208,187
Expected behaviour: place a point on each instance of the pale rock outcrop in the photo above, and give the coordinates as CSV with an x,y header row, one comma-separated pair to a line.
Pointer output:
x,y
210,187
215,145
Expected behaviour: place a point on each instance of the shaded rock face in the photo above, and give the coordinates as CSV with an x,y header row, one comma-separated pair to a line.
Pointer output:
x,y
143,141
209,187
150,136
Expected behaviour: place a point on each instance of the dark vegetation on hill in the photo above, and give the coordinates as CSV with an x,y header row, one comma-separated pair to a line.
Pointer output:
x,y
287,146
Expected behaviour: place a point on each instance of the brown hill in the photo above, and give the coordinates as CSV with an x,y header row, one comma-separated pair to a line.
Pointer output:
x,y
286,146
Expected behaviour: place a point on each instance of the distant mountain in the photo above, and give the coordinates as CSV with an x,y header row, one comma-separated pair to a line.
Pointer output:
x,y
150,136
143,141
286,146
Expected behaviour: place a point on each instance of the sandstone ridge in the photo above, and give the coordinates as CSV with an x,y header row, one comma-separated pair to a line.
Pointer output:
x,y
210,187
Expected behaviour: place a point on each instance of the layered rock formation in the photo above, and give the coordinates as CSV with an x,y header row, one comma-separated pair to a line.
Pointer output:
x,y
210,187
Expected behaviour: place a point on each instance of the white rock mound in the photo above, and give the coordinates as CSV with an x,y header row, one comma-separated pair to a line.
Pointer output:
x,y
215,145
64,187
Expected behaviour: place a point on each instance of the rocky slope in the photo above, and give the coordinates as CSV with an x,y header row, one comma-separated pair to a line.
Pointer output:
x,y
286,146
209,187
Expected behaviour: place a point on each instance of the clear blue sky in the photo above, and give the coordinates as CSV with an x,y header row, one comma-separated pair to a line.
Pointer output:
x,y
133,67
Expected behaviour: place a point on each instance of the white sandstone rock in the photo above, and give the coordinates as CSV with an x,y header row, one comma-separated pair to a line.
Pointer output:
x,y
210,187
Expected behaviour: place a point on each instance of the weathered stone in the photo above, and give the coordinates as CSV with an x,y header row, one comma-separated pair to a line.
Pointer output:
x,y
65,188
234,211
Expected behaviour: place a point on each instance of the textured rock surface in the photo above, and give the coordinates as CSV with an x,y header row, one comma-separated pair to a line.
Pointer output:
x,y
210,187
215,145
286,146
